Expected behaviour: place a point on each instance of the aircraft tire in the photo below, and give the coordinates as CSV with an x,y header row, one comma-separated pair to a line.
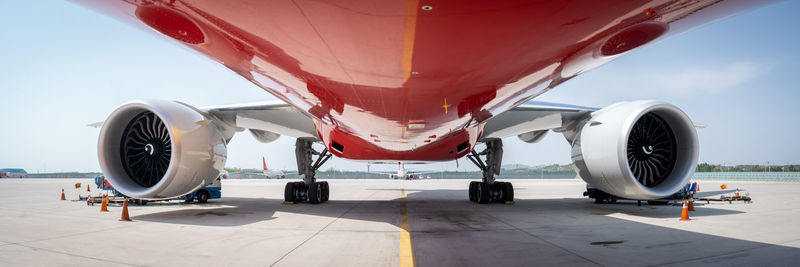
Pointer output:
x,y
288,192
482,193
472,188
325,191
315,193
508,192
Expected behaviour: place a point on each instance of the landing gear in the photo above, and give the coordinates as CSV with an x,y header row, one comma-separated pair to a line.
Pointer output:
x,y
309,189
489,190
601,197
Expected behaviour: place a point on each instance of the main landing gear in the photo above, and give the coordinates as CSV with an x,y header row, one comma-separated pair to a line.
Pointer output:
x,y
309,189
490,190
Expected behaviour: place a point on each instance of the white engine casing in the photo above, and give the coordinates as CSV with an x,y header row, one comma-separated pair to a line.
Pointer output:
x,y
198,149
599,151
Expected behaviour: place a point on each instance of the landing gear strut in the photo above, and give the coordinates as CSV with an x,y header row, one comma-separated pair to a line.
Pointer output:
x,y
309,189
490,190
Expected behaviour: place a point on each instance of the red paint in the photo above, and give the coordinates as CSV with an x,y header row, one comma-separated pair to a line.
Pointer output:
x,y
368,68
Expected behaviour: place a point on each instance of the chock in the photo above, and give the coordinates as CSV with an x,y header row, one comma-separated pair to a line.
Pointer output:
x,y
288,203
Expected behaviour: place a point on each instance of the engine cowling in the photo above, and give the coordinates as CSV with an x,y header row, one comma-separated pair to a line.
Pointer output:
x,y
155,149
639,150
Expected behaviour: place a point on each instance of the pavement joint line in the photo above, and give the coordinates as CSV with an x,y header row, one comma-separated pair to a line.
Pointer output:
x,y
317,233
764,245
76,255
542,239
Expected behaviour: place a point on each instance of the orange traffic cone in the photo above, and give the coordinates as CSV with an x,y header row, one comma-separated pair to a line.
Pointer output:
x,y
685,212
737,192
125,217
63,197
88,188
691,202
104,206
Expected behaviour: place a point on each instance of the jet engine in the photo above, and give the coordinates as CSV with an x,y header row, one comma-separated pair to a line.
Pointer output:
x,y
155,149
638,150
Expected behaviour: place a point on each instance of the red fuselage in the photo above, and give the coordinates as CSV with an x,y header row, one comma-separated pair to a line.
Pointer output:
x,y
416,79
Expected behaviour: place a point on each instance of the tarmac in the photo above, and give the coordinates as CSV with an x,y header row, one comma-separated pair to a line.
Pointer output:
x,y
397,223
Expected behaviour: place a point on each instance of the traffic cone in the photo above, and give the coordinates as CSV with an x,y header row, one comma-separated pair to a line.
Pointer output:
x,y
685,212
737,192
63,197
691,202
88,188
104,206
125,217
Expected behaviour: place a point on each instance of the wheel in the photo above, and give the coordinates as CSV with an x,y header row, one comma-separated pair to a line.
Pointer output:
x,y
315,193
612,200
143,202
601,197
289,192
472,189
189,199
325,191
508,192
657,203
496,194
299,188
203,196
482,193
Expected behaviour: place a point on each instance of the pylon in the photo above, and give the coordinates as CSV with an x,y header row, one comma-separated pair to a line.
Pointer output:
x,y
737,192
63,197
125,217
691,202
88,188
685,212
104,206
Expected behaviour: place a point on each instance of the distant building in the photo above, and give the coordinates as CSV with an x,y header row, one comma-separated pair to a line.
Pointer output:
x,y
13,173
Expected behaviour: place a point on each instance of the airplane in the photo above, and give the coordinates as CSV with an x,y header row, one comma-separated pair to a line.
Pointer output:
x,y
277,174
402,173
13,173
407,81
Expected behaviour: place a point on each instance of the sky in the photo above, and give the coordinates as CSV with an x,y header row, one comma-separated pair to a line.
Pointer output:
x,y
64,66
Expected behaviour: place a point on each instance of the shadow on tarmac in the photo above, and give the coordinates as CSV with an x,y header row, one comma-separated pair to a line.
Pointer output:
x,y
449,230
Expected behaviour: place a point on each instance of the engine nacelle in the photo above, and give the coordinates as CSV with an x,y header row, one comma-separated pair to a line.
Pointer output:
x,y
639,150
155,149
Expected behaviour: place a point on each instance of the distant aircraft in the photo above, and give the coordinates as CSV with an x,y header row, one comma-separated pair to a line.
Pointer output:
x,y
13,173
276,174
408,81
403,173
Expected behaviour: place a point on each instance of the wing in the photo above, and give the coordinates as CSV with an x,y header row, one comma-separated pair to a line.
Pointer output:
x,y
531,121
265,120
268,120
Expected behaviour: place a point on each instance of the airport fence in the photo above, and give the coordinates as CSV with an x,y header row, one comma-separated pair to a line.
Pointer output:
x,y
749,176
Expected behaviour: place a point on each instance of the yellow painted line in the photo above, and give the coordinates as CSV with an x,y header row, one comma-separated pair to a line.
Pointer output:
x,y
409,33
406,249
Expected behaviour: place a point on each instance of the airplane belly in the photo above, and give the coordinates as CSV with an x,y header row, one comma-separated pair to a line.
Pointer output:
x,y
401,79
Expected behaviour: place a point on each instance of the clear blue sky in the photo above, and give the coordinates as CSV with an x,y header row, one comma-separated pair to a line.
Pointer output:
x,y
64,66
